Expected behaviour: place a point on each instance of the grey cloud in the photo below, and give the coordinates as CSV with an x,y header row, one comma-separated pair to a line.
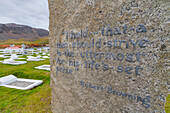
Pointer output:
x,y
28,12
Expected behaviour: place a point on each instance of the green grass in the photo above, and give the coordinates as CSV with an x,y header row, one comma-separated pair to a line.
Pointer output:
x,y
167,105
36,100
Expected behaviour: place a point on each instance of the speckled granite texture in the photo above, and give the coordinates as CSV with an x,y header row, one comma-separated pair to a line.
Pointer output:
x,y
134,79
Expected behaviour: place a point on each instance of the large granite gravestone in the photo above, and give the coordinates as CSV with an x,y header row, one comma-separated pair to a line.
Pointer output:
x,y
109,56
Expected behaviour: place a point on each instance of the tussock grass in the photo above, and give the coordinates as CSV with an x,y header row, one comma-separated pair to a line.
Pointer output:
x,y
44,40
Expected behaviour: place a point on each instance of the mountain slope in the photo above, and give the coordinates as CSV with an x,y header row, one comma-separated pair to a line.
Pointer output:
x,y
16,31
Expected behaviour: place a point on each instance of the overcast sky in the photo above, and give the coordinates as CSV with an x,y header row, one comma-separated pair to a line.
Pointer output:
x,y
27,12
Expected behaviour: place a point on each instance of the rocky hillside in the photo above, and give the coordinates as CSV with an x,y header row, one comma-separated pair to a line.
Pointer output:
x,y
15,31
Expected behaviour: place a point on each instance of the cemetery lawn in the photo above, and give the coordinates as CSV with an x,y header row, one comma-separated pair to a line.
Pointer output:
x,y
36,100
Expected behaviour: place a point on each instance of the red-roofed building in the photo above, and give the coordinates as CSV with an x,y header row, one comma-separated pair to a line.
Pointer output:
x,y
13,49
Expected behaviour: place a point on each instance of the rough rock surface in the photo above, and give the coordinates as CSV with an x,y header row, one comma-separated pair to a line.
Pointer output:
x,y
88,90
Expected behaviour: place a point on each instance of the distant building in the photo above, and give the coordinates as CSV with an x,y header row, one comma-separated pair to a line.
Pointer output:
x,y
18,49
12,49
12,45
